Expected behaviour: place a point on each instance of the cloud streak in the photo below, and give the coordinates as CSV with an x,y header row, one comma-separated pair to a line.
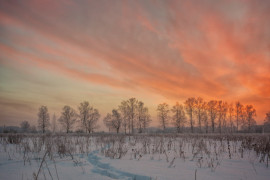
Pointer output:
x,y
173,49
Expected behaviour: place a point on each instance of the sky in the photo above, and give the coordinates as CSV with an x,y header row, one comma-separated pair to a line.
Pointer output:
x,y
63,52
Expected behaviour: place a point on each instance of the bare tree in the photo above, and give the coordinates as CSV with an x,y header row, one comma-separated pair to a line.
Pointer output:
x,y
266,124
107,121
205,119
54,125
88,117
125,115
146,120
143,117
130,106
67,118
231,115
238,114
250,114
224,113
190,108
199,111
25,126
212,113
221,112
267,118
178,117
113,121
43,119
163,114
116,120
243,119
84,113
91,123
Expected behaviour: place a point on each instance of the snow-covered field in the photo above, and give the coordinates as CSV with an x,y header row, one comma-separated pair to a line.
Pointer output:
x,y
140,157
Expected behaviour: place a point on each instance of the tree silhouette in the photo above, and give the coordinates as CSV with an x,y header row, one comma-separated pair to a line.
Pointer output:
x,y
250,114
67,118
238,114
88,117
178,117
190,108
113,121
163,115
212,113
43,119
143,117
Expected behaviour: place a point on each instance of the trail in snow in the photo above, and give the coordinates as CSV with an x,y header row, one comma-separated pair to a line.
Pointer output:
x,y
106,170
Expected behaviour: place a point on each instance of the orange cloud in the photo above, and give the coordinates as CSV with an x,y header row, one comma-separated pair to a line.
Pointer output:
x,y
177,49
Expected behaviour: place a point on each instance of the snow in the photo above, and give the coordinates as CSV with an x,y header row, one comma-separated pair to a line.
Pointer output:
x,y
98,159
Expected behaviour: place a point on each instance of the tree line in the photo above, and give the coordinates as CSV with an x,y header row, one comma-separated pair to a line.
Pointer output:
x,y
215,116
132,116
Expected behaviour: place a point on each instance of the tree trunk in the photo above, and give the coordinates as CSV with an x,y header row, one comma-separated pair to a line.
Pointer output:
x,y
191,123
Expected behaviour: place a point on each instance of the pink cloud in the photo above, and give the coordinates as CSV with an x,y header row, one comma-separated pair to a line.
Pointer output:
x,y
217,50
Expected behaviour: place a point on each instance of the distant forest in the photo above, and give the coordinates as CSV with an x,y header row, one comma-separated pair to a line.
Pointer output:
x,y
195,115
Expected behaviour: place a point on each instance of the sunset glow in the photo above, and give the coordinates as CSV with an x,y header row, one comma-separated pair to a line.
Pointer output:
x,y
63,52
